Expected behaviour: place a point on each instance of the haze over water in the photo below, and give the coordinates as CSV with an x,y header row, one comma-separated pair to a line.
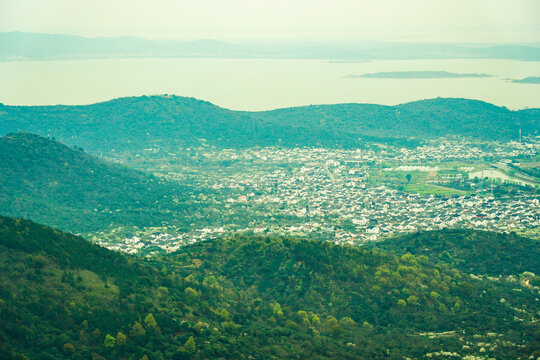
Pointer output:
x,y
262,84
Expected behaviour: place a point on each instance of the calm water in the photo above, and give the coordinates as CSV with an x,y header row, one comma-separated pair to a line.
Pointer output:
x,y
261,84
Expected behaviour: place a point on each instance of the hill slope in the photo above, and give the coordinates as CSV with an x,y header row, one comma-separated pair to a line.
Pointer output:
x,y
476,252
423,119
133,124
246,297
49,182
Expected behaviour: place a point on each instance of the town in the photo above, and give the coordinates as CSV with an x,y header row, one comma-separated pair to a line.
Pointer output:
x,y
344,196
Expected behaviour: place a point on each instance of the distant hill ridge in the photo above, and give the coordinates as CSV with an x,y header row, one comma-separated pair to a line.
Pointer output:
x,y
134,123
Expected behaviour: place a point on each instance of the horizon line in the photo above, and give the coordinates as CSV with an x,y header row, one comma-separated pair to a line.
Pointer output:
x,y
284,40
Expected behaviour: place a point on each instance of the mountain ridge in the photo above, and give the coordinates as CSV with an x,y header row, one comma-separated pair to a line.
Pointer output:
x,y
39,46
167,121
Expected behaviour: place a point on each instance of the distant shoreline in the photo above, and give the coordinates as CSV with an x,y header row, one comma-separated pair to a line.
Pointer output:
x,y
417,75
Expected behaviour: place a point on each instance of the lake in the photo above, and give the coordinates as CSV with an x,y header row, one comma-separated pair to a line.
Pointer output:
x,y
262,84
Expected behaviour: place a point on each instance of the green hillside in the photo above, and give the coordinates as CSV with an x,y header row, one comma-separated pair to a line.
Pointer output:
x,y
423,119
169,122
475,252
248,298
46,181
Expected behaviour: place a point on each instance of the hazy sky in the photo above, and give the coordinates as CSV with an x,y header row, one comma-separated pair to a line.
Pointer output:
x,y
386,20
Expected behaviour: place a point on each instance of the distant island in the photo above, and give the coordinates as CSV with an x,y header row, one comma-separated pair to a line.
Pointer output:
x,y
417,75
528,80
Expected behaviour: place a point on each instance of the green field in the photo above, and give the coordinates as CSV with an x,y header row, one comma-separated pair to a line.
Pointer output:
x,y
434,189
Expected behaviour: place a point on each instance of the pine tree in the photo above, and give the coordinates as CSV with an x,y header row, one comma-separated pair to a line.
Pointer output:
x,y
121,339
150,323
189,346
137,330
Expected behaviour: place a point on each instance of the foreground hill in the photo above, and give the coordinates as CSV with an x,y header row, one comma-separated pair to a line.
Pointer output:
x,y
248,298
170,122
49,182
475,252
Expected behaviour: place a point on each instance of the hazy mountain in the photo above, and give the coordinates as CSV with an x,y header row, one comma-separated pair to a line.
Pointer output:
x,y
46,181
247,297
135,123
18,45
410,51
37,46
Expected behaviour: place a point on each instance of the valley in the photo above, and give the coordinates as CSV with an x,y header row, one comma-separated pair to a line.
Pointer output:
x,y
344,196
346,173
188,231
255,180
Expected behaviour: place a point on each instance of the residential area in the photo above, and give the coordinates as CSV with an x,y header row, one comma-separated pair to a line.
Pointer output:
x,y
344,196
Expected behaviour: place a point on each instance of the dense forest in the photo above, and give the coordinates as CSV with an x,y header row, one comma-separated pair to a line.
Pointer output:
x,y
171,122
47,181
471,251
250,297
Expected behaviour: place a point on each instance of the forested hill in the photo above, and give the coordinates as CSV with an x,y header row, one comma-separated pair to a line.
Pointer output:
x,y
248,298
422,119
46,181
472,251
135,123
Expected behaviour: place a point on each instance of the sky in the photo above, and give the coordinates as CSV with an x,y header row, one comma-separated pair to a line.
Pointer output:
x,y
491,21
